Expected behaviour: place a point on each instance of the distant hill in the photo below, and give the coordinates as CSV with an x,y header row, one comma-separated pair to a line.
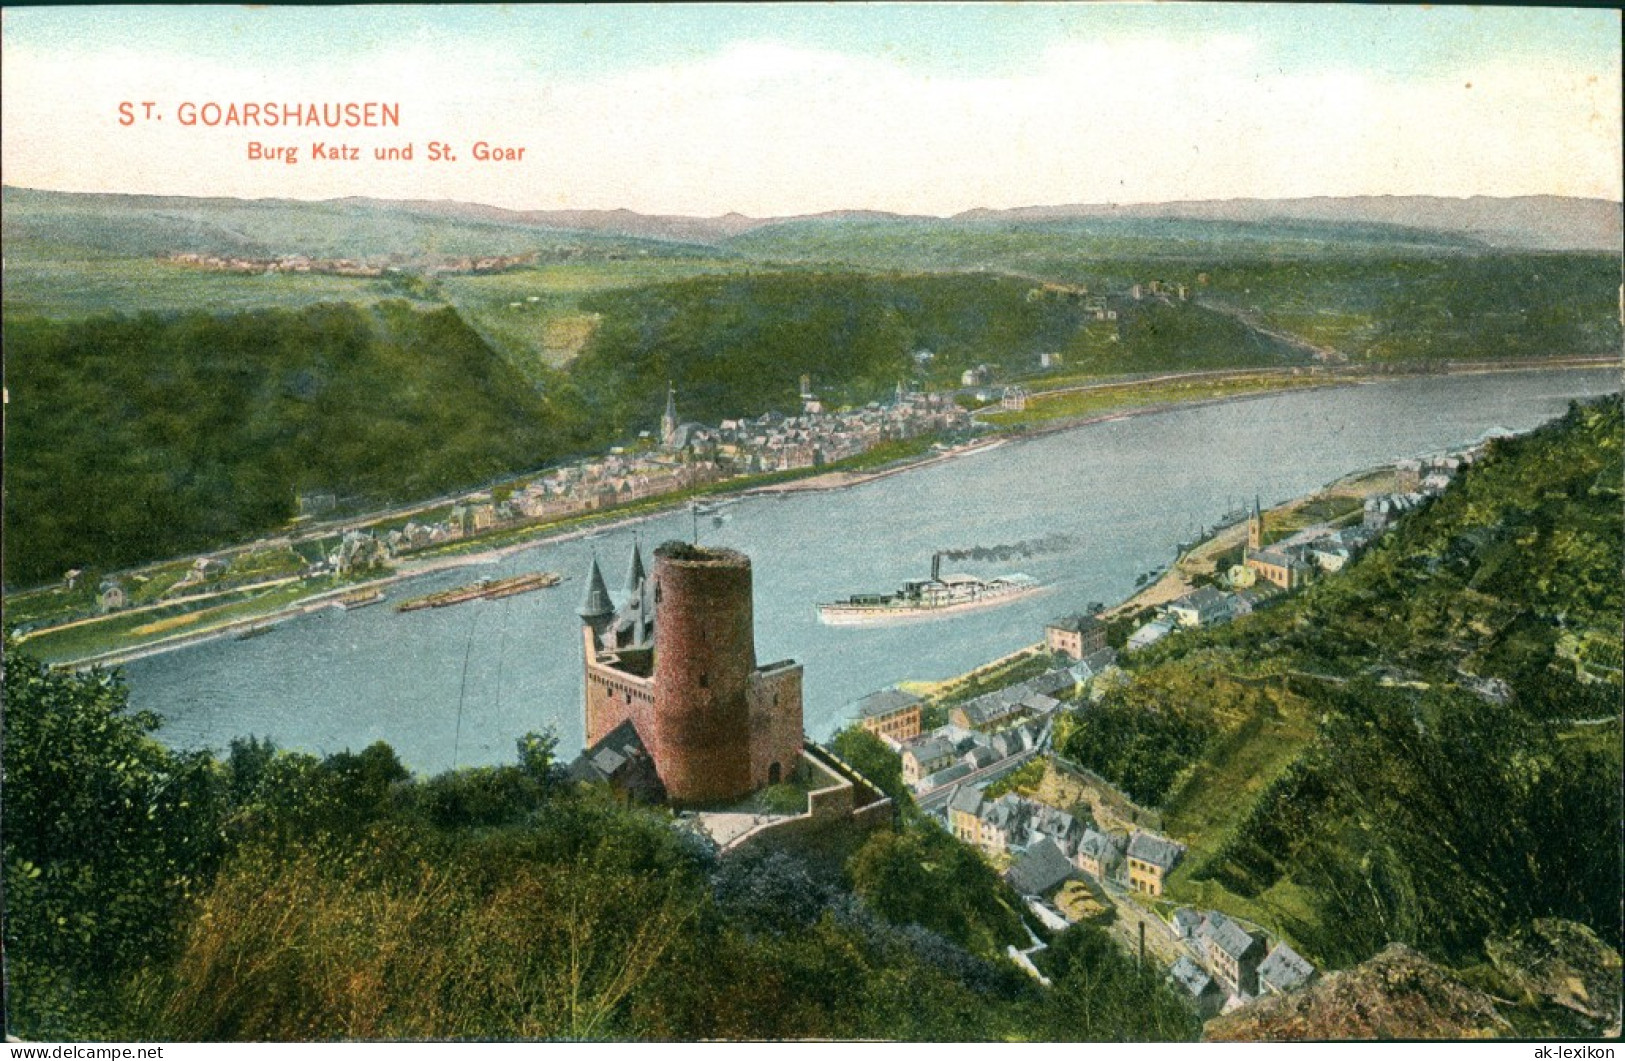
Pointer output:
x,y
362,226
60,225
1535,222
1542,222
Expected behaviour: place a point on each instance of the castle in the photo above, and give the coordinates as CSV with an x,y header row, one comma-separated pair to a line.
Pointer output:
x,y
672,680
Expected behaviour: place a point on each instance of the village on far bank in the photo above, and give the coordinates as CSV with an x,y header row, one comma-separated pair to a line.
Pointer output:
x,y
318,564
980,755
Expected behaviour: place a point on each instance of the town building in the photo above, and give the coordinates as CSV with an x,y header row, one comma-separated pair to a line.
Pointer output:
x,y
1100,855
1276,566
1279,568
891,713
1284,970
1187,921
1149,634
987,713
1193,982
1150,859
1233,954
622,762
1040,869
1075,636
954,771
965,815
678,661
1092,666
924,756
1004,823
1204,606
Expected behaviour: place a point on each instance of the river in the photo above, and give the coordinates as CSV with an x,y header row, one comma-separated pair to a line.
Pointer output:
x,y
458,685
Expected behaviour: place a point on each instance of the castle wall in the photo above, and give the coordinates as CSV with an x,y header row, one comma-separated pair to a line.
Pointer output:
x,y
613,696
704,666
775,723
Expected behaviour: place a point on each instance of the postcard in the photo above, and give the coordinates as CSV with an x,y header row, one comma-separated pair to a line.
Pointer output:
x,y
860,522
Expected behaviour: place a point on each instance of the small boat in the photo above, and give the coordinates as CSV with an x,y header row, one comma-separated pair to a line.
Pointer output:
x,y
359,599
257,630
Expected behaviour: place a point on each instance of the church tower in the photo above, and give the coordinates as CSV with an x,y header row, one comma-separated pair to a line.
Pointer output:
x,y
668,422
1255,527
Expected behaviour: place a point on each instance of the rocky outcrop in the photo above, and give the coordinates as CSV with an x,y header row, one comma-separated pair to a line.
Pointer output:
x,y
1562,963
1398,994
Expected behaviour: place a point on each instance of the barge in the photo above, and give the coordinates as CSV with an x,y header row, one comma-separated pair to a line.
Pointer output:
x,y
484,589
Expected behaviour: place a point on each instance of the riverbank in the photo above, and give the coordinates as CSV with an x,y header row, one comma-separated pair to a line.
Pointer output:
x,y
280,608
1175,582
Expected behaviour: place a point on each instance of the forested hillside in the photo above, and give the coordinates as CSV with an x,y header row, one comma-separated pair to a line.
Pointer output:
x,y
737,345
130,438
1422,749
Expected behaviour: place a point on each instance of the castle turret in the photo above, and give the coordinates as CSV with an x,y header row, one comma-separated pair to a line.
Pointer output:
x,y
702,671
635,573
596,609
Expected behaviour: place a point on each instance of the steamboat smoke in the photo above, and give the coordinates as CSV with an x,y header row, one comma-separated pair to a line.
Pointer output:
x,y
1050,543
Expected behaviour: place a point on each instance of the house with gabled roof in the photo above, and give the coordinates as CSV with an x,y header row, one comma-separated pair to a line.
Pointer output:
x,y
1039,869
924,756
1150,859
1193,982
1149,634
1187,920
965,814
1283,970
978,757
946,776
1204,606
620,760
1100,854
1075,635
1233,953
1057,826
1004,823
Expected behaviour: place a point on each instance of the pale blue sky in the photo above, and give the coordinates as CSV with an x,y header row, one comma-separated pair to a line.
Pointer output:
x,y
793,108
977,39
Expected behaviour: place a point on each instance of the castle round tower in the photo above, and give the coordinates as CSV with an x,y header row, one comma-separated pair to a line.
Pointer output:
x,y
704,662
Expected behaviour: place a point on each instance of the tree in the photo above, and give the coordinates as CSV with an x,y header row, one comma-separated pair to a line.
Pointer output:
x,y
108,835
864,752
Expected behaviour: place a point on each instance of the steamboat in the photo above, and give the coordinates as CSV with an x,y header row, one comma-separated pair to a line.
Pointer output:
x,y
927,598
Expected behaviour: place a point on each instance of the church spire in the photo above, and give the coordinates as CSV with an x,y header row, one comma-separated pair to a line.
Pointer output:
x,y
1255,526
635,573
